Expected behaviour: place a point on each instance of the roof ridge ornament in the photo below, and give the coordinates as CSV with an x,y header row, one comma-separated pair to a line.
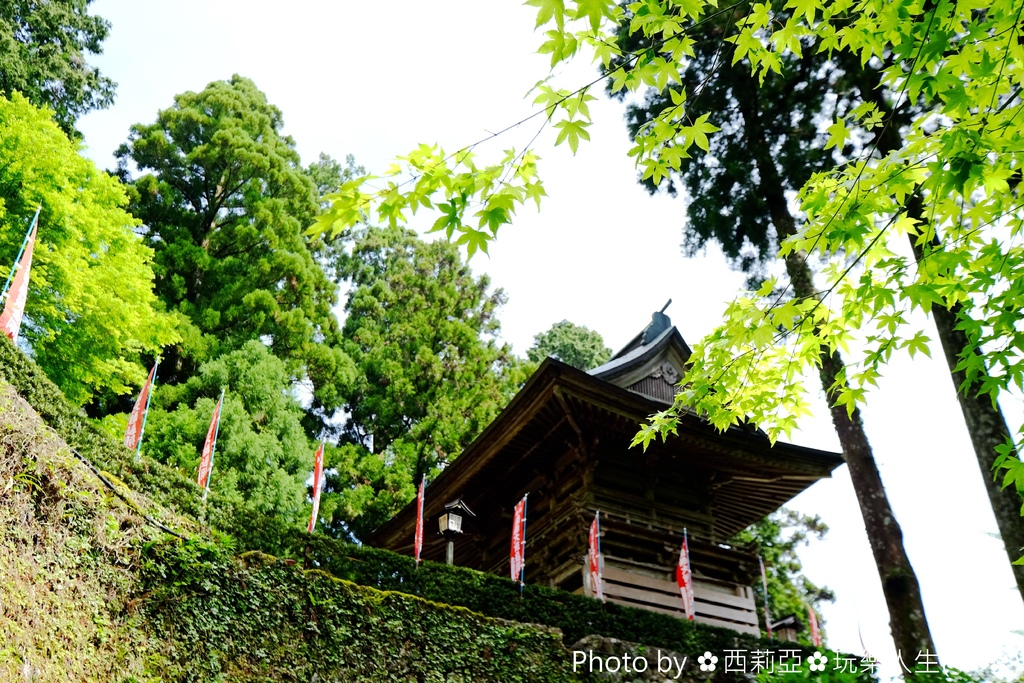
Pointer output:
x,y
659,323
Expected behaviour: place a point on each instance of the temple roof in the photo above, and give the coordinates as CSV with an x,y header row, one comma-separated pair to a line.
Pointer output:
x,y
749,477
651,363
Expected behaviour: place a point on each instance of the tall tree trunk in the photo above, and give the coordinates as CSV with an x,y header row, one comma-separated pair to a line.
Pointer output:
x,y
899,583
985,422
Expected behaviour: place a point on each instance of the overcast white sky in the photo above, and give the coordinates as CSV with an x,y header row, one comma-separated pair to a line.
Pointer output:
x,y
375,79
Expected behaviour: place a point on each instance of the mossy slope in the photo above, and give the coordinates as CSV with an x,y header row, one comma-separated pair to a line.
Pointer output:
x,y
92,592
68,560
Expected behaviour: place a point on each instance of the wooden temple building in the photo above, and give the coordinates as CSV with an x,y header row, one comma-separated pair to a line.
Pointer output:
x,y
564,439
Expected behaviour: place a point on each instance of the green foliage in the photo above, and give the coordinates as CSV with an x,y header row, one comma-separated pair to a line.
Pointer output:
x,y
263,456
43,46
225,202
91,288
495,596
832,674
576,345
803,674
447,183
421,329
777,538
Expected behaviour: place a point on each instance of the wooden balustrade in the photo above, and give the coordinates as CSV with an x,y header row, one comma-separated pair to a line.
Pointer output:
x,y
717,603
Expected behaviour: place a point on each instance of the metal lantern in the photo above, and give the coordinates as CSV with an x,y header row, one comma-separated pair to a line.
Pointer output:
x,y
450,525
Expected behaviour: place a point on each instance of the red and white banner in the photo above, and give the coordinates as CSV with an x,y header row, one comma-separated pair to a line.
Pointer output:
x,y
14,307
812,619
594,558
684,578
418,541
518,551
133,434
210,447
318,480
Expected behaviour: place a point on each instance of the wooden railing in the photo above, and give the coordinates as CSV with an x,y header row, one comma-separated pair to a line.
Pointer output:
x,y
718,603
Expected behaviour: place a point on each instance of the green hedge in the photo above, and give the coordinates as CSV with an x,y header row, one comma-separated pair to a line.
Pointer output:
x,y
576,615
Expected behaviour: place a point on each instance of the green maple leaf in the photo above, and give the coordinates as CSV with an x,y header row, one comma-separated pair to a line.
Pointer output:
x,y
450,219
594,10
837,134
548,10
919,343
700,131
475,240
571,132
804,8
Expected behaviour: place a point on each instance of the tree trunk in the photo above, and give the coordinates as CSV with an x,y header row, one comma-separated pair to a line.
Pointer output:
x,y
899,583
985,422
902,593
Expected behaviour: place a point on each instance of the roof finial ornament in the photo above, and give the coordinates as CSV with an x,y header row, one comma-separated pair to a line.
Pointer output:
x,y
659,323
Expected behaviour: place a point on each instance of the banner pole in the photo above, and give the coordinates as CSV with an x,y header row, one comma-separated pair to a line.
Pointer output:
x,y
418,532
600,558
691,609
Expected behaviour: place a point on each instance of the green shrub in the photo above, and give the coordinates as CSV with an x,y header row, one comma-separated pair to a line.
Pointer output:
x,y
495,596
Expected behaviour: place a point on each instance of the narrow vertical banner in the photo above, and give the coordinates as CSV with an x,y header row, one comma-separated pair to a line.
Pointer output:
x,y
418,539
137,420
764,584
210,448
812,619
17,259
318,480
518,550
684,578
594,558
14,305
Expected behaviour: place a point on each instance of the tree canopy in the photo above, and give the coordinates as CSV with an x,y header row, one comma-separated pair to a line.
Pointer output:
x,y
43,50
421,329
573,344
263,455
90,295
225,201
725,201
